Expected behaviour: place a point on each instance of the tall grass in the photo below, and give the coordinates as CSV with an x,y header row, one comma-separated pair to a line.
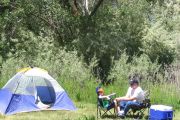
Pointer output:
x,y
86,91
159,94
166,94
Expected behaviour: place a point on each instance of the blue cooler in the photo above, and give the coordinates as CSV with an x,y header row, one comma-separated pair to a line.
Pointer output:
x,y
161,112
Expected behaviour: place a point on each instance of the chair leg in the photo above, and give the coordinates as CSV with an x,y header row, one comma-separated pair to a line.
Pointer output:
x,y
100,112
148,114
97,112
115,112
105,113
148,111
110,112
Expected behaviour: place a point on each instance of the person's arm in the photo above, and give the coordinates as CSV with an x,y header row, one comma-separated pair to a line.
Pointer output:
x,y
126,98
104,97
112,94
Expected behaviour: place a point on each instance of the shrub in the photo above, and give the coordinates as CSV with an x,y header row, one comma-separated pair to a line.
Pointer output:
x,y
65,66
139,65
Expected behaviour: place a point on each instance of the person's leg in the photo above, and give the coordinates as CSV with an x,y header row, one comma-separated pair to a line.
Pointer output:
x,y
120,108
119,105
116,106
123,104
111,105
128,105
117,102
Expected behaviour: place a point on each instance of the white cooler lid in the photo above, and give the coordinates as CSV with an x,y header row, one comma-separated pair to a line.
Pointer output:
x,y
161,107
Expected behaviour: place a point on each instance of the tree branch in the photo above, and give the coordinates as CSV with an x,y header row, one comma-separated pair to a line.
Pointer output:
x,y
96,7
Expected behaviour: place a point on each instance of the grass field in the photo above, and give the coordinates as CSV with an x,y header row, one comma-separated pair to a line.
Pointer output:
x,y
85,112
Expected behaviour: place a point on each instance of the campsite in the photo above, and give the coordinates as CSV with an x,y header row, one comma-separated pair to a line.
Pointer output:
x,y
89,59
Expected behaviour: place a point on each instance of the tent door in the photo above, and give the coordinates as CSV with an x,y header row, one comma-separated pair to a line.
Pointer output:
x,y
46,93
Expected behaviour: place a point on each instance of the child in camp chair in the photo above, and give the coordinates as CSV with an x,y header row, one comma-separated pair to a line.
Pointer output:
x,y
106,99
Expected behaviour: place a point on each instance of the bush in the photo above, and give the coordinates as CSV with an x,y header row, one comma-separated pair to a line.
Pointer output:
x,y
141,66
164,54
65,66
9,68
160,35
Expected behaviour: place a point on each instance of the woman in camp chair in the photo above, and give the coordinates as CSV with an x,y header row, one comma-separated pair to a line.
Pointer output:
x,y
105,101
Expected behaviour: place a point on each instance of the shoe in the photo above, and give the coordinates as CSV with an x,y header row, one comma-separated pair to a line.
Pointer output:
x,y
121,113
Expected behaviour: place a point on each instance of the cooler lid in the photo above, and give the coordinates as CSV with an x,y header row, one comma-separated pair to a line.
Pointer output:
x,y
161,107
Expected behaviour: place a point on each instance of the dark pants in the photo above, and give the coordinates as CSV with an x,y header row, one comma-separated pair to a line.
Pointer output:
x,y
111,105
126,105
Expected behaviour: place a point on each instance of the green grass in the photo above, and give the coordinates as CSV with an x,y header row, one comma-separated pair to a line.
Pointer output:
x,y
86,90
86,111
166,94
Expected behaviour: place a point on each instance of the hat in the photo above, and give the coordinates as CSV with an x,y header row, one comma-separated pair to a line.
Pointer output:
x,y
100,90
131,82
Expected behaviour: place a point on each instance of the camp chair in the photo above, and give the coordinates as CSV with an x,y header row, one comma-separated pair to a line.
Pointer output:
x,y
138,111
104,106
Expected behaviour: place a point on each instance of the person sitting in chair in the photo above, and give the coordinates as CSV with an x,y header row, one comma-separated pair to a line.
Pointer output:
x,y
133,97
107,104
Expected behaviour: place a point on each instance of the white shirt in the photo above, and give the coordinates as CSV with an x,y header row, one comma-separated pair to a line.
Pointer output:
x,y
137,93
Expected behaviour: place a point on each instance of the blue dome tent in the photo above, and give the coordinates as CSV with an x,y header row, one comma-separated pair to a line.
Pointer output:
x,y
33,89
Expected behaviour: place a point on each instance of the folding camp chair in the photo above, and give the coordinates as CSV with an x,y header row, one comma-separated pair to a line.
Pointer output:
x,y
138,111
104,106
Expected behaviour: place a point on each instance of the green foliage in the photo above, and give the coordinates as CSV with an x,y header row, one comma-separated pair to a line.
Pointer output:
x,y
166,94
9,68
158,51
142,66
75,47
132,26
161,33
110,32
41,52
